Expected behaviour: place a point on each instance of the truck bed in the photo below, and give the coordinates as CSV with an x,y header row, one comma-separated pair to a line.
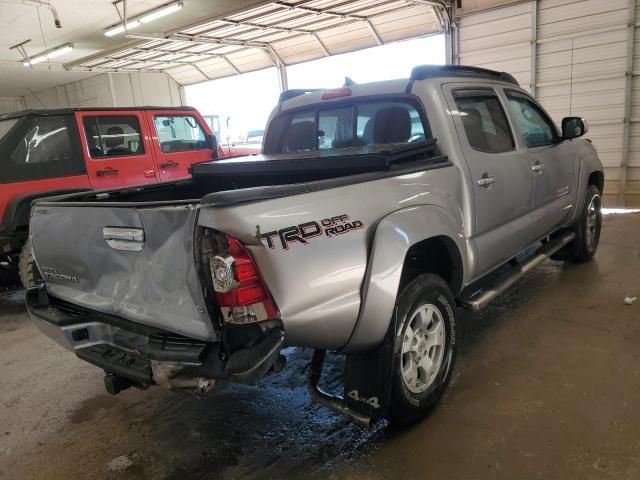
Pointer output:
x,y
349,165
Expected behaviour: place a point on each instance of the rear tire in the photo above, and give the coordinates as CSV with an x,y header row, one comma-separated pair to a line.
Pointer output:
x,y
424,348
587,229
29,273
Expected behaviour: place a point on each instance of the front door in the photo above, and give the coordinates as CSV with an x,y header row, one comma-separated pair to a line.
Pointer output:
x,y
553,162
117,148
499,170
179,140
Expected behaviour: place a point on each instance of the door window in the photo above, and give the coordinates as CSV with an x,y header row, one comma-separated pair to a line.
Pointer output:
x,y
534,124
113,136
179,133
485,122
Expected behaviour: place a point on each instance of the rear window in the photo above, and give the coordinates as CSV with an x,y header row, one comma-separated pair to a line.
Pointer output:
x,y
113,136
179,133
37,148
366,123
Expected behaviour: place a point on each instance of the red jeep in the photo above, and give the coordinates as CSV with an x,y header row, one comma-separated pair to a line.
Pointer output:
x,y
50,152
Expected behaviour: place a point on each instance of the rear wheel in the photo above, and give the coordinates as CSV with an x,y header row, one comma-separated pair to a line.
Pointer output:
x,y
424,348
29,273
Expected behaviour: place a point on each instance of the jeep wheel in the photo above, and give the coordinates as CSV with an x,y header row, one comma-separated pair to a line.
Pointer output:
x,y
587,229
8,277
424,348
29,273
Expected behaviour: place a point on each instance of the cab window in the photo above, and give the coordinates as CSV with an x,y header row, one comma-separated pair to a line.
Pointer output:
x,y
352,125
113,136
484,120
535,126
179,133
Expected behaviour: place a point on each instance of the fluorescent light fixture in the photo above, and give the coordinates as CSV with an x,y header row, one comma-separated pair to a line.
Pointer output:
x,y
161,12
120,28
144,18
59,51
53,53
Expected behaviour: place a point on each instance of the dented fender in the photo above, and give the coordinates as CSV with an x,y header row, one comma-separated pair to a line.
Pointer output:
x,y
394,236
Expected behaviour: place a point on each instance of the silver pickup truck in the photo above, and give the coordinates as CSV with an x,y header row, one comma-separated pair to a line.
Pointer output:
x,y
374,213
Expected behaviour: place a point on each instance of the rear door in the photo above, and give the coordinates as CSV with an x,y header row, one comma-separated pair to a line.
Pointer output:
x,y
180,138
553,162
500,172
117,147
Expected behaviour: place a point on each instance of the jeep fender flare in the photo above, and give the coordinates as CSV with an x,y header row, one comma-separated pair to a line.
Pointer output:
x,y
395,234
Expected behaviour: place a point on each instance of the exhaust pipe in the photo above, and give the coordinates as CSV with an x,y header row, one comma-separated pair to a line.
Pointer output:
x,y
333,402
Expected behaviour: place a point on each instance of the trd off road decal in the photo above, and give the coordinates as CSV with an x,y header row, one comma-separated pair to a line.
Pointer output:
x,y
302,233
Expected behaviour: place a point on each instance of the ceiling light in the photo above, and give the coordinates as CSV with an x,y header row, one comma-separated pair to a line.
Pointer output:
x,y
144,18
161,12
120,28
59,51
53,53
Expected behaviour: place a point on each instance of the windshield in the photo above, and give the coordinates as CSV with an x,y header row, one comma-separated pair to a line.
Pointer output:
x,y
6,125
361,124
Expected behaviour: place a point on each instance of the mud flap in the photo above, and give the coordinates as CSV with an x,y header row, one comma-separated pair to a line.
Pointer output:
x,y
367,379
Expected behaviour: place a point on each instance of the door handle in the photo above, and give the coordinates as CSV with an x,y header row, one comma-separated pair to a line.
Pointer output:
x,y
169,164
486,180
107,171
537,167
149,173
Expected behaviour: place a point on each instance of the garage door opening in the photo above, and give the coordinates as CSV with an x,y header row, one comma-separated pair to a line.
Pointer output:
x,y
241,104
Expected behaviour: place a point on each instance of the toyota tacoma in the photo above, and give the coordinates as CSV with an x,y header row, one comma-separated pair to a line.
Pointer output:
x,y
373,215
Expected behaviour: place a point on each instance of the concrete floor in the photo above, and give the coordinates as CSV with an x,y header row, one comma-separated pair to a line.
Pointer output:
x,y
547,386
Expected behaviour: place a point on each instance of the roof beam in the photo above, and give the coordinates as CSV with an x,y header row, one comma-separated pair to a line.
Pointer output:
x,y
201,72
199,39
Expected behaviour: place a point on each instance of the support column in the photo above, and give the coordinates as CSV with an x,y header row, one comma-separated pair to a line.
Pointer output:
x,y
626,138
534,47
112,90
282,77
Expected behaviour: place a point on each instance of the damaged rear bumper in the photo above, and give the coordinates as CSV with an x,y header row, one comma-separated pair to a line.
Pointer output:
x,y
148,356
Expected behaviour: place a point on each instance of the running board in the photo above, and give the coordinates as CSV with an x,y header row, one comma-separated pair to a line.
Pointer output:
x,y
480,297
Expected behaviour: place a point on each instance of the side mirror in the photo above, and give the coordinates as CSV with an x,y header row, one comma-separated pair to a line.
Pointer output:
x,y
573,127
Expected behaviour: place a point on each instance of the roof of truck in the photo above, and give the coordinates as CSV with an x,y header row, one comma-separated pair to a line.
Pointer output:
x,y
421,72
66,111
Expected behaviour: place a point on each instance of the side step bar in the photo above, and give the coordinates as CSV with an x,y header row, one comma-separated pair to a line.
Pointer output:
x,y
481,297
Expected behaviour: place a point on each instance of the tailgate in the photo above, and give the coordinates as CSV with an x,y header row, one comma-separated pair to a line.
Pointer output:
x,y
135,263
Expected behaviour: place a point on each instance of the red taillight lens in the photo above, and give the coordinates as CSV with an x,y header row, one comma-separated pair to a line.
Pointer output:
x,y
245,299
336,93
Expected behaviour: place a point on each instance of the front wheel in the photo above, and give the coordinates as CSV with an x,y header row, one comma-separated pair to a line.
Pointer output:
x,y
587,229
424,348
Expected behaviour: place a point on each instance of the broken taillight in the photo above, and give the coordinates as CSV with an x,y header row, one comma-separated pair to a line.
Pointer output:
x,y
241,293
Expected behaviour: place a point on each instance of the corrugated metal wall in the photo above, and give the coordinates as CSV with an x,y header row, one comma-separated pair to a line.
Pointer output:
x,y
11,104
111,90
582,60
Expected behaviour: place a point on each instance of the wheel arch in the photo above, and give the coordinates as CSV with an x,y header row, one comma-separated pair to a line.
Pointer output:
x,y
596,178
439,255
404,241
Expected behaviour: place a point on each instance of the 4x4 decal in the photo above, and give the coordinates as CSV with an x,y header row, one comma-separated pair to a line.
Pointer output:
x,y
302,233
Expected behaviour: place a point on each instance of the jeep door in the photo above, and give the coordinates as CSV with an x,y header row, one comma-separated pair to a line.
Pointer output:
x,y
180,138
117,148
500,173
553,162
